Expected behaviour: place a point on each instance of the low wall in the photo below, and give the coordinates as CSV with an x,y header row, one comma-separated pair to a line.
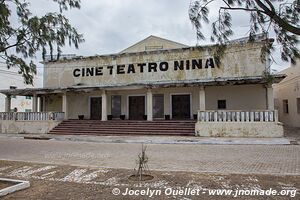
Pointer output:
x,y
239,129
39,127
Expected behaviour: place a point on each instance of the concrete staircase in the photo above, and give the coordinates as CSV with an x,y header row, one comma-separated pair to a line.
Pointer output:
x,y
125,127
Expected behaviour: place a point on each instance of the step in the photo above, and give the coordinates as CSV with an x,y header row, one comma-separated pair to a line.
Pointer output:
x,y
137,127
125,127
149,124
122,133
112,131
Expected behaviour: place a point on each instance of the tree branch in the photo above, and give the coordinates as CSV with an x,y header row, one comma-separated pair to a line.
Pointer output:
x,y
271,5
282,23
245,9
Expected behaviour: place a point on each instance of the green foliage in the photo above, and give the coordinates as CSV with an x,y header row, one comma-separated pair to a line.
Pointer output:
x,y
22,41
268,78
283,18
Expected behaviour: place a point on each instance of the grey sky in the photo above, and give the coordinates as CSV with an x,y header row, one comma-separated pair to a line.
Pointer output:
x,y
110,26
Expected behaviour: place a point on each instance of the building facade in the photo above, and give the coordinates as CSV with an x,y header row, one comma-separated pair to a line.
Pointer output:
x,y
11,79
157,79
287,96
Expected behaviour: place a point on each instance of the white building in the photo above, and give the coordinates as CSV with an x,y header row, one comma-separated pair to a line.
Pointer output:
x,y
287,96
159,80
11,79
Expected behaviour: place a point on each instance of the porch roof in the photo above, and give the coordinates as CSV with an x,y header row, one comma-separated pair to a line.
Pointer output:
x,y
219,81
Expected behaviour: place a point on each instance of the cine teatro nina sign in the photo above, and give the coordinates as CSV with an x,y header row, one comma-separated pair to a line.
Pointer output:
x,y
150,67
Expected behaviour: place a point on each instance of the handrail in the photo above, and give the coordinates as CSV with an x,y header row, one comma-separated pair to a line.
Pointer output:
x,y
32,116
238,116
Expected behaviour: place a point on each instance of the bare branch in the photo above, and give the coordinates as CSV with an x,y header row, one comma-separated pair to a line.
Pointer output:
x,y
282,23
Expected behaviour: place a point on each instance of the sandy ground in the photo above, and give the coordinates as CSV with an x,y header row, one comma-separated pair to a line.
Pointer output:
x,y
71,182
292,134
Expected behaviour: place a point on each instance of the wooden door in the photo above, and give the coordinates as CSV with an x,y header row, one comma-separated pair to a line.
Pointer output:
x,y
96,107
181,108
136,107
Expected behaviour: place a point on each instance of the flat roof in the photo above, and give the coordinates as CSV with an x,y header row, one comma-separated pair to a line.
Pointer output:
x,y
237,42
219,81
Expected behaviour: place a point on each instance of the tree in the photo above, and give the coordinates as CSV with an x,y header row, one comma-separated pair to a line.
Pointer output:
x,y
22,40
279,16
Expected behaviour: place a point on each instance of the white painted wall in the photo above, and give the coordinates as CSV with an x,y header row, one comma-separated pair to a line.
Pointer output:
x,y
239,129
239,60
288,88
243,97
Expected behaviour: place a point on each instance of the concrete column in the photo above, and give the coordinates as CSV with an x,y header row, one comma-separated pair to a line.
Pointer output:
x,y
270,98
149,105
104,106
202,98
65,104
7,103
34,103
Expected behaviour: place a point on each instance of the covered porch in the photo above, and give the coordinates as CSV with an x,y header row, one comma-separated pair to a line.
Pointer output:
x,y
181,100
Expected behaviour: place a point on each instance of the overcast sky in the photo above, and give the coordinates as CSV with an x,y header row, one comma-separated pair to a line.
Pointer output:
x,y
110,26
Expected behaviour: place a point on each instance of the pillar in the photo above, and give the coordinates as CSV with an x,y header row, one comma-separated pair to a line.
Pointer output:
x,y
270,98
104,106
202,98
65,104
149,106
34,103
7,103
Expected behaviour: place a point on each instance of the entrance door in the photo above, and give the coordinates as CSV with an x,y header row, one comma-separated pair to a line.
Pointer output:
x,y
116,106
96,107
136,107
181,108
158,106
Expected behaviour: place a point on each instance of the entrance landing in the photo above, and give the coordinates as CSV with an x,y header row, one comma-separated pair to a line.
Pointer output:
x,y
125,127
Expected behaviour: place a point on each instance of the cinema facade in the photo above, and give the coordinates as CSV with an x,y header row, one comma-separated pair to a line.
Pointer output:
x,y
158,79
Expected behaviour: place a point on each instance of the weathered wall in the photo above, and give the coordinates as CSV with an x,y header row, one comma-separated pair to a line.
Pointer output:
x,y
238,61
239,129
152,42
39,127
243,97
53,103
79,103
289,89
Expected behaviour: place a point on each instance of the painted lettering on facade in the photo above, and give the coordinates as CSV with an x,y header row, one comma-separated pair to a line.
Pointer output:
x,y
177,65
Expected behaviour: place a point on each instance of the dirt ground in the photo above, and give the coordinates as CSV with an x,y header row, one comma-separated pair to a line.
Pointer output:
x,y
292,133
73,182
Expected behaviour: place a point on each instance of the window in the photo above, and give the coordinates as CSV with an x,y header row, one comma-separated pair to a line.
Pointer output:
x,y
298,105
285,106
221,104
28,97
27,110
158,105
116,106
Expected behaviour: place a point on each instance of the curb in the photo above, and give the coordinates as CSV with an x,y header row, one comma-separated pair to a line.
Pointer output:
x,y
19,185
